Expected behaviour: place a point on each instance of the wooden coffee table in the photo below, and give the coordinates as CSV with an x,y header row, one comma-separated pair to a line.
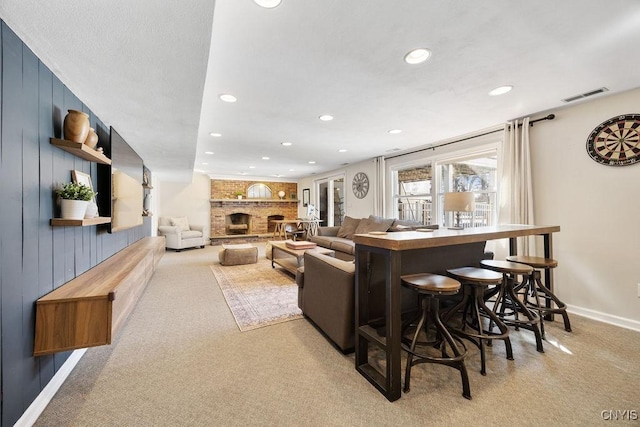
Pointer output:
x,y
290,259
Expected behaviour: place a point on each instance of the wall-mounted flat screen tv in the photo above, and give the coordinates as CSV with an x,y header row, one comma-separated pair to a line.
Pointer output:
x,y
123,180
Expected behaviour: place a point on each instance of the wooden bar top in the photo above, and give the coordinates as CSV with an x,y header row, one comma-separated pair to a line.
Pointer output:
x,y
407,240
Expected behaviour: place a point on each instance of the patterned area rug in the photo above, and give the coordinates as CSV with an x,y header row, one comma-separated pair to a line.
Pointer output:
x,y
257,294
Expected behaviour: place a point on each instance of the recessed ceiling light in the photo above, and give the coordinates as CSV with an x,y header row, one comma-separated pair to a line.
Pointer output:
x,y
242,173
209,152
287,144
325,117
205,164
228,98
417,56
395,131
252,167
500,90
215,134
291,170
311,162
342,150
268,4
265,158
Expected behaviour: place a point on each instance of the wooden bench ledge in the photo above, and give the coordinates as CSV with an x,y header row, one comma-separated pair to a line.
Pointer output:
x,y
89,309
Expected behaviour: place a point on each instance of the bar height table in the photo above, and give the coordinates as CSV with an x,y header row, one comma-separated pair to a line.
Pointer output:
x,y
442,249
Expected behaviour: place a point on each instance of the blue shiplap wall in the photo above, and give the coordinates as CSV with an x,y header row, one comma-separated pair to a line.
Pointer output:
x,y
36,258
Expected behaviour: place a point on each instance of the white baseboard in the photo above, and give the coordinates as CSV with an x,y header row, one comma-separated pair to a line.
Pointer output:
x,y
34,410
606,318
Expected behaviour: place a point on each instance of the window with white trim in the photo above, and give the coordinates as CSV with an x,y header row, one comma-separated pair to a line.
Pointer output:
x,y
417,185
258,191
476,174
413,198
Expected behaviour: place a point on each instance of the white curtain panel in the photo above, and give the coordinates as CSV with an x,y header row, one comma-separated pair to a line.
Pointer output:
x,y
516,193
379,192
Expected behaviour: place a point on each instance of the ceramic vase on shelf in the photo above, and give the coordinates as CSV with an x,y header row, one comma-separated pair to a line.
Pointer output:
x,y
76,126
92,139
146,204
73,209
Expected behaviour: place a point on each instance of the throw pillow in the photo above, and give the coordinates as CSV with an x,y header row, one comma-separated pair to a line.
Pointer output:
x,y
348,226
182,223
373,223
404,225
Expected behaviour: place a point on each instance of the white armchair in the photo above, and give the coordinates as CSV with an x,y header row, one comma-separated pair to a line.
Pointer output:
x,y
179,234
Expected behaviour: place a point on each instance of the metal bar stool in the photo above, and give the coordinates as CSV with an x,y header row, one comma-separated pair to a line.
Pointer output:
x,y
431,289
534,288
508,306
475,282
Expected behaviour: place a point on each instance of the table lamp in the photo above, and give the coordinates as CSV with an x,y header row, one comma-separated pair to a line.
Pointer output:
x,y
461,201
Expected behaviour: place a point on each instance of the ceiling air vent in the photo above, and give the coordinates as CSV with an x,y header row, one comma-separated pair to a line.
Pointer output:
x,y
586,94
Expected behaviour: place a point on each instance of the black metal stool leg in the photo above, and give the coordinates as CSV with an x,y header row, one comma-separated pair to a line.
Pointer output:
x,y
459,364
531,291
518,306
504,331
548,295
538,291
481,343
421,323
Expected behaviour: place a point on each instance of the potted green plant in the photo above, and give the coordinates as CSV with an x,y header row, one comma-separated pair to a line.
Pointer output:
x,y
238,194
75,199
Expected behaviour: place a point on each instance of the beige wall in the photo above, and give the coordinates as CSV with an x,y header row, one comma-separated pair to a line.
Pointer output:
x,y
597,208
185,199
354,207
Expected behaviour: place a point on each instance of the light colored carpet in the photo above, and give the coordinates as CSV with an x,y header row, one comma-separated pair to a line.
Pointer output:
x,y
257,294
181,361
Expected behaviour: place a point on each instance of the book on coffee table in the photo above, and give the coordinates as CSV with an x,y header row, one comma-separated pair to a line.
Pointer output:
x,y
300,245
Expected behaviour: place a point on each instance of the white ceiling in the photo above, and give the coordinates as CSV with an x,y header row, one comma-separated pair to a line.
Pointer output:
x,y
154,70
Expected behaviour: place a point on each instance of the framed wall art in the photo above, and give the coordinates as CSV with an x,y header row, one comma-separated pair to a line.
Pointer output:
x,y
306,194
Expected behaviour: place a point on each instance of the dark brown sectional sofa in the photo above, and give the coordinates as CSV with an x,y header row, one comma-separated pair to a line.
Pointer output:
x,y
340,238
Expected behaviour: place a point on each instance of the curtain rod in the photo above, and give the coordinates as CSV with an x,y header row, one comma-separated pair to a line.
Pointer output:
x,y
549,117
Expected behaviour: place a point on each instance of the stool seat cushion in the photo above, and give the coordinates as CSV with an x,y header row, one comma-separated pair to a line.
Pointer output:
x,y
534,261
430,283
506,266
475,274
238,254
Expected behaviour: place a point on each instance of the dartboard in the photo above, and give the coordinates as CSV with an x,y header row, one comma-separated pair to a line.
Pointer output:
x,y
616,141
360,185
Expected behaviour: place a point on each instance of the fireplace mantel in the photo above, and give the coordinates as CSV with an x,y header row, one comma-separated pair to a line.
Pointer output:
x,y
223,201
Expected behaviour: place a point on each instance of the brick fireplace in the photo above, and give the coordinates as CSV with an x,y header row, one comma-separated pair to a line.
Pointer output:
x,y
233,217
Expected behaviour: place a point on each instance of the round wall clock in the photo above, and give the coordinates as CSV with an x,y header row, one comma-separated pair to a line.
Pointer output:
x,y
360,185
616,141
